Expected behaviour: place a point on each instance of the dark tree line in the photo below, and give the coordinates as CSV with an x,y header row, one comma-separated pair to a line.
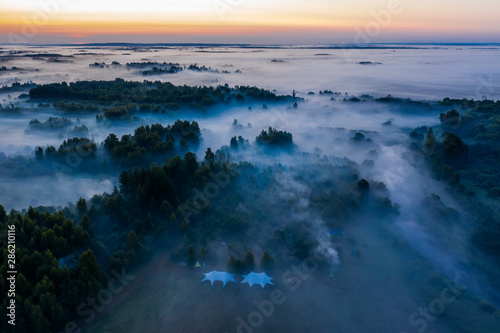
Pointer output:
x,y
158,92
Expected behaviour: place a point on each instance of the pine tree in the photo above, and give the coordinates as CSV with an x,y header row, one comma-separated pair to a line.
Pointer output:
x,y
249,262
267,262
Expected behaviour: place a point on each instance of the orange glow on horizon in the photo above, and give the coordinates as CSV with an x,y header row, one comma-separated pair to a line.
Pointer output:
x,y
13,22
128,29
288,20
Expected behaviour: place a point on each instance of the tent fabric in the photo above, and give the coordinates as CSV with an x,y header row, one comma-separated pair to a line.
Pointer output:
x,y
253,278
257,278
224,277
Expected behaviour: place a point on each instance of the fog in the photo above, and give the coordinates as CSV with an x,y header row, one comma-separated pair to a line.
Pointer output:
x,y
387,266
426,72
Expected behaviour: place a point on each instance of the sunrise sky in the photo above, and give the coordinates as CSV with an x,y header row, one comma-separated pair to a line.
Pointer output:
x,y
249,21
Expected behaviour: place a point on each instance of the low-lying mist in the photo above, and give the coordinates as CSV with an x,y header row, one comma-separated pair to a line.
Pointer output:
x,y
363,236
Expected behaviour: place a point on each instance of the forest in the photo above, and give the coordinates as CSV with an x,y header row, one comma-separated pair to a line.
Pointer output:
x,y
167,198
153,204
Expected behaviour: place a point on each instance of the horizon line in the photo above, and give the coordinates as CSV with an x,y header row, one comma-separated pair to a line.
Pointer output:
x,y
339,44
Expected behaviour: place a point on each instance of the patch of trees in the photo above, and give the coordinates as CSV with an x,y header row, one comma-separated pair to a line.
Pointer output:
x,y
83,150
454,149
479,124
47,293
418,134
247,264
360,138
329,92
446,157
274,137
241,266
10,109
237,142
158,70
148,144
76,107
152,140
5,69
389,99
163,188
468,158
471,104
17,86
79,130
369,63
54,124
450,119
150,64
195,67
121,91
51,124
479,120
119,112
98,64
45,55
478,161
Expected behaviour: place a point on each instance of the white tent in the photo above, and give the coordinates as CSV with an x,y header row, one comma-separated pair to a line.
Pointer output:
x,y
224,277
257,278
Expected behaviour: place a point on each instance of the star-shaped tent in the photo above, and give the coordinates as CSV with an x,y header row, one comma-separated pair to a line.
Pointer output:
x,y
224,277
257,278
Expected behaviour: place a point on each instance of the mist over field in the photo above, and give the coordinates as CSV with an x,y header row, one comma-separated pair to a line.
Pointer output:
x,y
346,176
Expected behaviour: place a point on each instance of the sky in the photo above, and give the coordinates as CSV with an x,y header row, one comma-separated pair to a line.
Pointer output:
x,y
249,21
